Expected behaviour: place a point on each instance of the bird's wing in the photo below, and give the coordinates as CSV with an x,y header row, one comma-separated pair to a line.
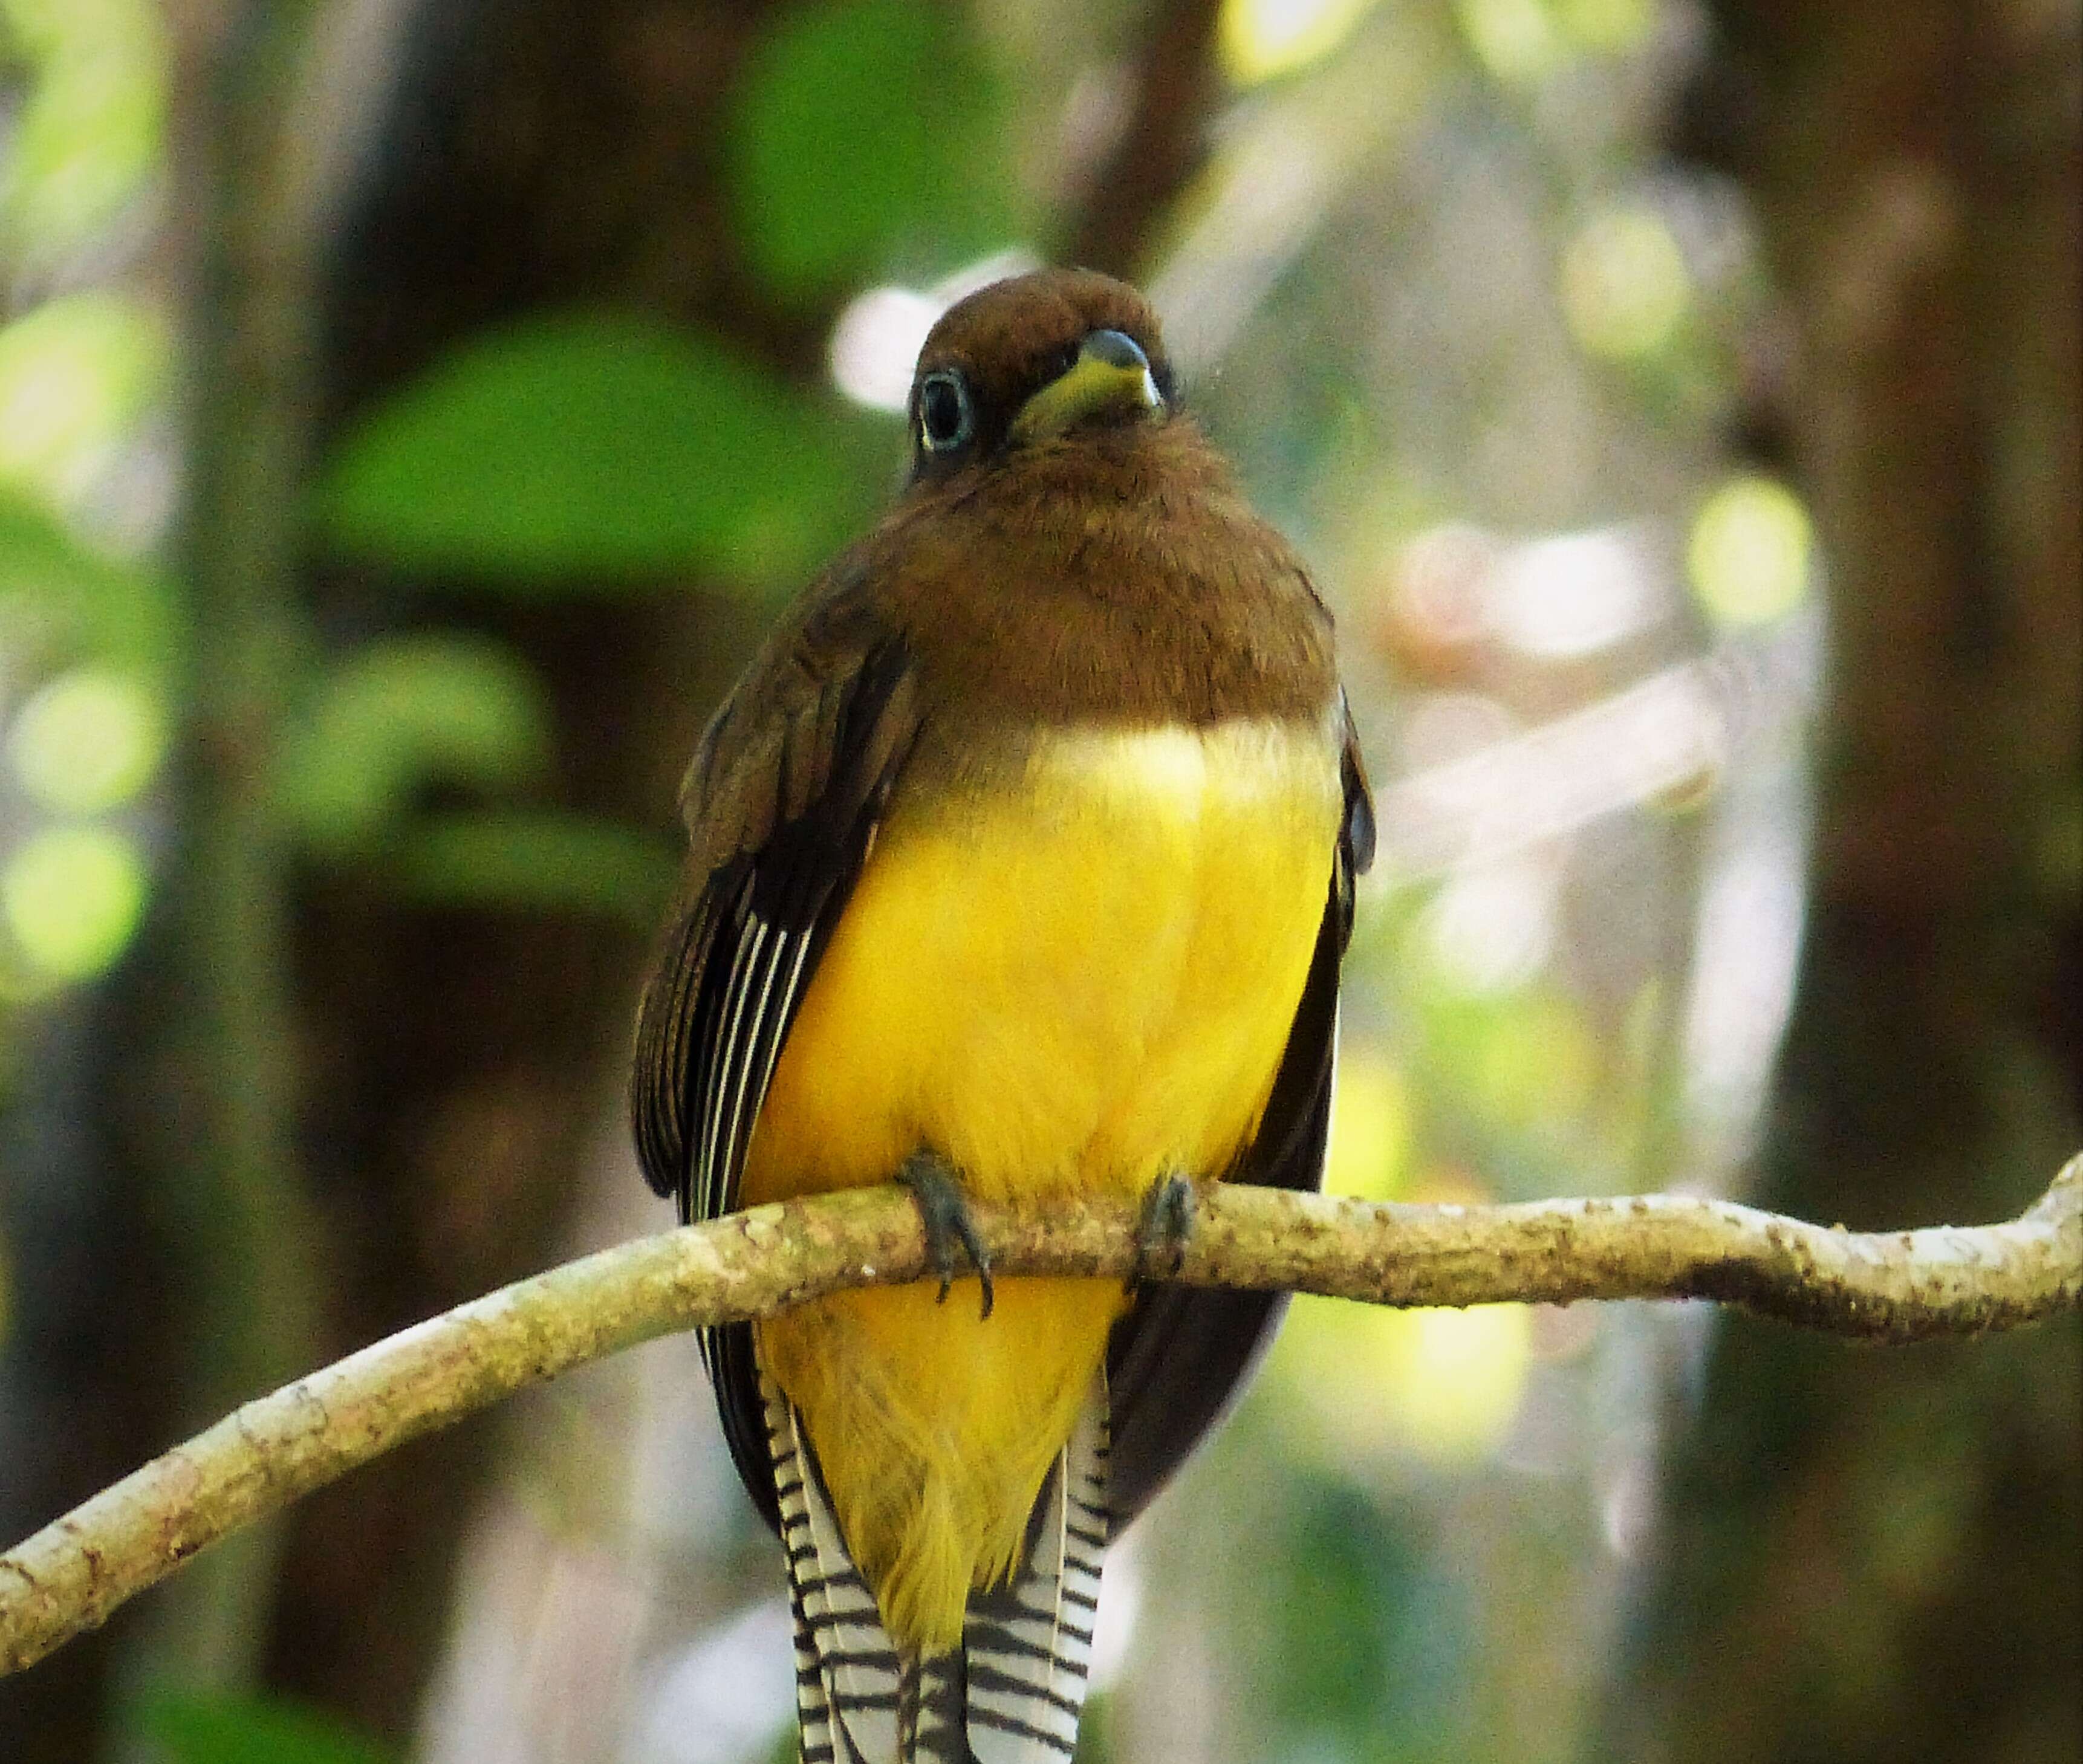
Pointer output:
x,y
1181,1354
782,801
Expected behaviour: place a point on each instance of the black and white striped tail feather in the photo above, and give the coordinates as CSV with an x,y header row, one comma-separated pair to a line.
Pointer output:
x,y
847,1673
1014,1693
813,1710
1028,1645
930,1712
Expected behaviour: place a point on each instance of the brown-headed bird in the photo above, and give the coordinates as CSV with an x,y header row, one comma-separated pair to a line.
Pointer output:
x,y
1023,861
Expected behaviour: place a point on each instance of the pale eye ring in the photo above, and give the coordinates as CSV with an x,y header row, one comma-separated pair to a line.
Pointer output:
x,y
947,415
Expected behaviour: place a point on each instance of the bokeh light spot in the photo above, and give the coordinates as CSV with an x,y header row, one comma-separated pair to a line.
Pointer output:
x,y
1262,39
89,740
73,896
1368,1382
1750,556
1434,610
90,127
1625,288
1491,930
1516,39
1454,1378
1573,593
1614,26
874,343
74,373
1369,1126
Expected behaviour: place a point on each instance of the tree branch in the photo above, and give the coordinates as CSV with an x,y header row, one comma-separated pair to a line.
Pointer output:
x,y
1893,1286
1162,144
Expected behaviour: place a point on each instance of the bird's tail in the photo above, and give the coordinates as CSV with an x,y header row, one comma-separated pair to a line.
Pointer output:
x,y
1012,1694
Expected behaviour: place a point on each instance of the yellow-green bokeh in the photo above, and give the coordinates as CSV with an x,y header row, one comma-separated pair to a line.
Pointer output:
x,y
88,741
87,138
74,374
1370,1148
1522,42
1260,40
1434,1385
1751,554
72,896
1625,289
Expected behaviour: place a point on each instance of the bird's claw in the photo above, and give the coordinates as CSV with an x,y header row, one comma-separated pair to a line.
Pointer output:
x,y
1162,1231
945,1211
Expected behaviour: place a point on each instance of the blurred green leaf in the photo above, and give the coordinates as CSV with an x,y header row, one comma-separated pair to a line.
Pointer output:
x,y
583,450
89,132
403,712
538,861
1367,1630
236,1730
90,605
861,127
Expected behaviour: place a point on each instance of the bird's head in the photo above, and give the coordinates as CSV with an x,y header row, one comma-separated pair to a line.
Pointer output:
x,y
1039,358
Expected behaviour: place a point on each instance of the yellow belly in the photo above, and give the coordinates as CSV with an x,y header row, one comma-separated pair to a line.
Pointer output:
x,y
1078,982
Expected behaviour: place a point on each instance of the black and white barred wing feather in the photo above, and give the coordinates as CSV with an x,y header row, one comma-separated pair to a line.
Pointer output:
x,y
782,802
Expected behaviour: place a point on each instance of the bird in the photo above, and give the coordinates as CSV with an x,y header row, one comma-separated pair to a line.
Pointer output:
x,y
1021,866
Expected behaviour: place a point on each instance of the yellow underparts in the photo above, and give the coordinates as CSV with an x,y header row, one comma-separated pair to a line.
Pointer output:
x,y
1078,983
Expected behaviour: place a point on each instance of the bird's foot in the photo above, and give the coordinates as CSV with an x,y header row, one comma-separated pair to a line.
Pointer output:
x,y
1163,1230
945,1210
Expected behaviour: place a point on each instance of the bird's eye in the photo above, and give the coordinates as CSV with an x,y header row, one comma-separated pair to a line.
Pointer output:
x,y
946,417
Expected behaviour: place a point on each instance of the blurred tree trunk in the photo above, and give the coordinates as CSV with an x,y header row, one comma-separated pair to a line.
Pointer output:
x,y
91,1364
1873,1557
180,1099
449,1069
525,154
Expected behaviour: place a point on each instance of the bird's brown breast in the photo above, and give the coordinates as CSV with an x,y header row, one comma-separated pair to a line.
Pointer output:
x,y
1117,578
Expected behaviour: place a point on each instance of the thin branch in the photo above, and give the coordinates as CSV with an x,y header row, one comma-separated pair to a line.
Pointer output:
x,y
1162,143
1895,1286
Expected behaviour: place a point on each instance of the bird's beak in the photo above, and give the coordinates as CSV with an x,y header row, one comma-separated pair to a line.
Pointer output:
x,y
1110,381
